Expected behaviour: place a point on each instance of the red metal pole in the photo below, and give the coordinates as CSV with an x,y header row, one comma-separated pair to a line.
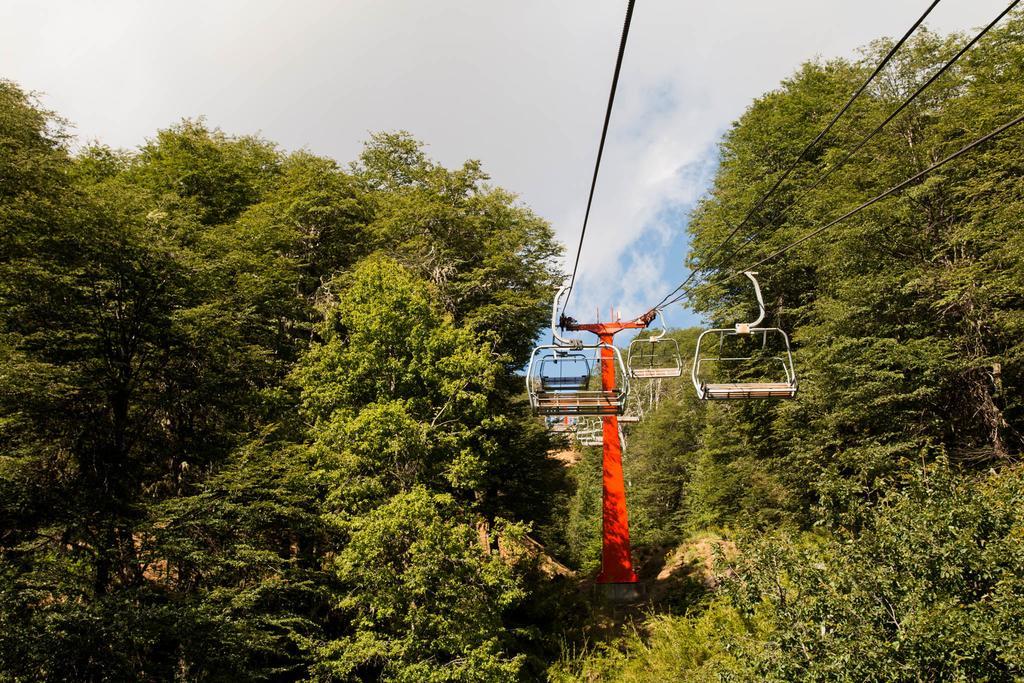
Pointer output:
x,y
616,563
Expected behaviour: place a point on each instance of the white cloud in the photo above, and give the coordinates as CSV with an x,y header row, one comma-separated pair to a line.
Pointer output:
x,y
520,85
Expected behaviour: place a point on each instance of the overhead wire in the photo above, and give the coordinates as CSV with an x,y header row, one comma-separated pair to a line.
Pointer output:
x,y
892,190
807,148
877,198
600,147
669,300
842,162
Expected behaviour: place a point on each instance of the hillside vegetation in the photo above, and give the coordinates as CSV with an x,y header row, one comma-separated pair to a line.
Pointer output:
x,y
261,416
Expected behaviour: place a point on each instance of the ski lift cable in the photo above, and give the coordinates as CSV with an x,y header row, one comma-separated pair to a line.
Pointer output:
x,y
842,162
669,300
756,207
600,146
892,190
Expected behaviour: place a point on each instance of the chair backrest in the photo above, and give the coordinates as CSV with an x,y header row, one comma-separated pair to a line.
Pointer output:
x,y
654,356
570,370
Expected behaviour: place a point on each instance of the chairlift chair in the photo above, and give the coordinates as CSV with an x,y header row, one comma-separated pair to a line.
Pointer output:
x,y
785,387
655,357
560,397
590,433
559,374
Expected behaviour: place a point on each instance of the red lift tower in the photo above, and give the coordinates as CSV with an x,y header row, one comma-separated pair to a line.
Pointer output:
x,y
616,562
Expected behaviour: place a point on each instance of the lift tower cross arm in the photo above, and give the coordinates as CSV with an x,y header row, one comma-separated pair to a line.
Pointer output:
x,y
616,562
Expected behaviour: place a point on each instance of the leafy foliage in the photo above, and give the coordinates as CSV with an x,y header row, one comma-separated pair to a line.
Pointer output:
x,y
424,603
930,589
230,381
260,417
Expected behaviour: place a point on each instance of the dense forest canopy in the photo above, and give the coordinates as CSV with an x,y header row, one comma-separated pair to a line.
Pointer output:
x,y
257,408
261,416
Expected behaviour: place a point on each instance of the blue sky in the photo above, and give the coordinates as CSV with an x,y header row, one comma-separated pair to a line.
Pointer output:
x,y
658,252
521,86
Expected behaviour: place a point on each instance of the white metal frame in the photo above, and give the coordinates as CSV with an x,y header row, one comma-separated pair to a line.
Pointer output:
x,y
592,434
745,390
654,372
574,401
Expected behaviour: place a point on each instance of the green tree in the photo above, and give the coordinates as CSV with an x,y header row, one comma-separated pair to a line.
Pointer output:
x,y
132,365
394,368
220,176
397,397
491,259
903,317
424,602
221,369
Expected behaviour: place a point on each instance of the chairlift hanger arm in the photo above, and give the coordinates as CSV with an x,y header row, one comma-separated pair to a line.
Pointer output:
x,y
664,329
746,327
556,323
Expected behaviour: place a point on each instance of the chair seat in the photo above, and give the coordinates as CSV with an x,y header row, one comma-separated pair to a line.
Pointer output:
x,y
654,373
750,390
579,403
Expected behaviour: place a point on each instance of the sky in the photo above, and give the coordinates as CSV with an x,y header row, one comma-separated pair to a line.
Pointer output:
x,y
520,85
